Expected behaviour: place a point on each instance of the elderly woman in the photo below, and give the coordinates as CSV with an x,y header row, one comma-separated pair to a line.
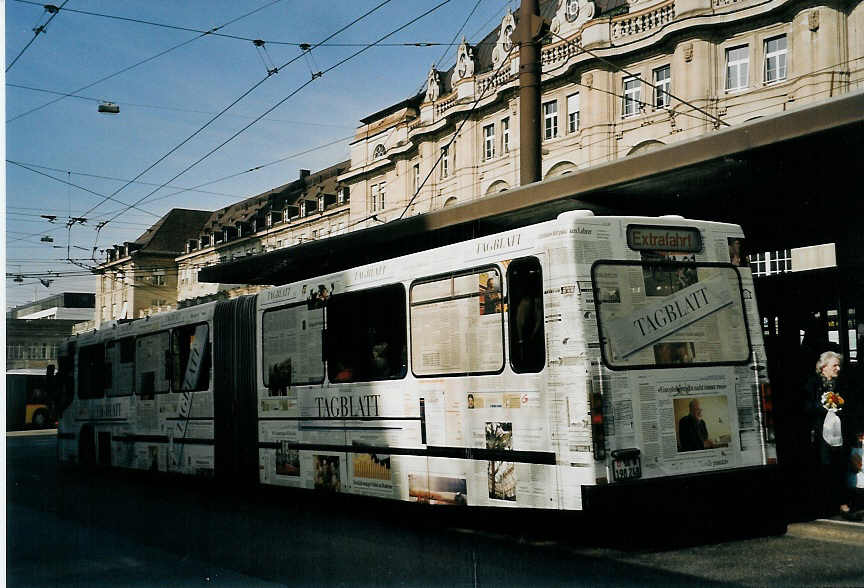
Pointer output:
x,y
829,412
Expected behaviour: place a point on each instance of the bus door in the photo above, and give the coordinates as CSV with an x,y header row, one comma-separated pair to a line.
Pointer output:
x,y
366,349
293,408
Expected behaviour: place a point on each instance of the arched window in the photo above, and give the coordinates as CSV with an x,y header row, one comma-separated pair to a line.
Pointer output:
x,y
379,151
646,146
450,202
497,186
561,168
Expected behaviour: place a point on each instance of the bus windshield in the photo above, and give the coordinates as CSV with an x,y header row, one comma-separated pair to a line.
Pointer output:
x,y
670,314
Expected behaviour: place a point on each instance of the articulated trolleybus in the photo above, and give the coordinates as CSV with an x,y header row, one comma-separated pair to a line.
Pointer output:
x,y
576,364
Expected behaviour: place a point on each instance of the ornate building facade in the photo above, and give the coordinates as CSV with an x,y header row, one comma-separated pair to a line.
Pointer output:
x,y
618,79
312,207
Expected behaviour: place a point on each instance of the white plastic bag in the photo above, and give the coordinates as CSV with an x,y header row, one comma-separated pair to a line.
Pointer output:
x,y
831,430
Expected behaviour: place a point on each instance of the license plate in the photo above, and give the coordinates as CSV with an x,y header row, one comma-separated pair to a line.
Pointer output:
x,y
626,467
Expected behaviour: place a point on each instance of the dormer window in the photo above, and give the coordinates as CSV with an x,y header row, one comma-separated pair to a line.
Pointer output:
x,y
379,152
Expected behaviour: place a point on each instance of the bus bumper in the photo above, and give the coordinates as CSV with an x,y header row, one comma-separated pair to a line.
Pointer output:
x,y
695,508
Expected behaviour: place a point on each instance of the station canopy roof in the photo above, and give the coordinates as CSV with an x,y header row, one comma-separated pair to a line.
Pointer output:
x,y
789,180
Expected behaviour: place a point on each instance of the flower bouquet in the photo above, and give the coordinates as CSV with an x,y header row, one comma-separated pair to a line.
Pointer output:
x,y
831,401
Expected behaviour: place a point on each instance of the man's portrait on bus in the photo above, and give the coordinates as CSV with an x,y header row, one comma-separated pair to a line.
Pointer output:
x,y
702,423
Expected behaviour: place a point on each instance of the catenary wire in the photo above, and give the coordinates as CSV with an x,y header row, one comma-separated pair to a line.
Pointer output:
x,y
170,108
293,93
242,38
115,179
209,122
36,31
139,63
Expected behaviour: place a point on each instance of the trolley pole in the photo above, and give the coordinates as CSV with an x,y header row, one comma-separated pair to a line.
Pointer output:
x,y
528,32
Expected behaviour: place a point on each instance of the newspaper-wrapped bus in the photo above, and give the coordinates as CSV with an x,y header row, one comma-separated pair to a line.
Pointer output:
x,y
583,363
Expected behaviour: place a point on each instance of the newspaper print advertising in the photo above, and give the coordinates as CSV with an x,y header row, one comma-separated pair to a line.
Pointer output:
x,y
670,313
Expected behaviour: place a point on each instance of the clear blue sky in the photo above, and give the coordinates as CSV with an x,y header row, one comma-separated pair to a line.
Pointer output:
x,y
170,97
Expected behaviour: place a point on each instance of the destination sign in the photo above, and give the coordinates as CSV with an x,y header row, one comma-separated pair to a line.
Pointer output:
x,y
646,237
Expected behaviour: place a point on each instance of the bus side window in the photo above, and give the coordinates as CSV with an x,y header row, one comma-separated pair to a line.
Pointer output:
x,y
150,376
111,352
292,346
366,337
190,358
525,296
457,323
91,370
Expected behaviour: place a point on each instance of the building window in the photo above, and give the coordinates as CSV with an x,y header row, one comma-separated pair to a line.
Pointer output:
x,y
771,262
416,175
632,97
157,280
445,161
378,152
344,195
505,135
662,85
376,196
550,120
737,67
572,113
775,59
321,202
489,141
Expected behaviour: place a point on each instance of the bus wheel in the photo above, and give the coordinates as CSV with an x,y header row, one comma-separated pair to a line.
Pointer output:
x,y
40,418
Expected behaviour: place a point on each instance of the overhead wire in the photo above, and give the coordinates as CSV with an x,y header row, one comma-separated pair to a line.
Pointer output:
x,y
170,108
299,44
295,92
142,62
116,179
215,117
54,11
68,183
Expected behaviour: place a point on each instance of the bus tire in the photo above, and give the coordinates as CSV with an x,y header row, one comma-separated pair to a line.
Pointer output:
x,y
40,418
